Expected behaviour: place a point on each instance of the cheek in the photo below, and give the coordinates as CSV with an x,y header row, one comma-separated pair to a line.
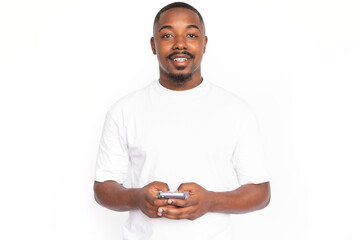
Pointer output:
x,y
199,53
163,53
163,45
196,47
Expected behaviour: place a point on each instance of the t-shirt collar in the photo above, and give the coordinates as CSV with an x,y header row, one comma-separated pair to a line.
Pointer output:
x,y
199,90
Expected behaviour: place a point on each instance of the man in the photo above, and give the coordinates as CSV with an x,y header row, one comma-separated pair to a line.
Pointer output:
x,y
180,133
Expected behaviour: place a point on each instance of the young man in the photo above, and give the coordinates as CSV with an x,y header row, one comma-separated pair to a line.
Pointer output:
x,y
182,133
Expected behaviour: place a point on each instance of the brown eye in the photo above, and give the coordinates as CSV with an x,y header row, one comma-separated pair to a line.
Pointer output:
x,y
166,36
191,35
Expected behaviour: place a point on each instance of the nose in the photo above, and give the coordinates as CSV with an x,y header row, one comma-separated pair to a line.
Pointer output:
x,y
180,43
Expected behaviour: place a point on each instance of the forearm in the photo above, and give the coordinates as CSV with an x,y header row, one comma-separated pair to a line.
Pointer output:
x,y
115,196
247,198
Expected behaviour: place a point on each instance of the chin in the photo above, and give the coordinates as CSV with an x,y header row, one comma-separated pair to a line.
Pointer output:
x,y
180,78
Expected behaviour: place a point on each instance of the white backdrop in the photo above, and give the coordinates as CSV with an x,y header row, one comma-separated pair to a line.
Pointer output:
x,y
63,63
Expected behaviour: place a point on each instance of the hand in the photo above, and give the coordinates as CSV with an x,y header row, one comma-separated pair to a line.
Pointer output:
x,y
148,201
191,208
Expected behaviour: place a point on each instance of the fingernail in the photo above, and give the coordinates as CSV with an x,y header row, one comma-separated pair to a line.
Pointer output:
x,y
170,202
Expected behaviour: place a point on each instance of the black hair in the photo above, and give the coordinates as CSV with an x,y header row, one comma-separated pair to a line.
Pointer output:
x,y
177,5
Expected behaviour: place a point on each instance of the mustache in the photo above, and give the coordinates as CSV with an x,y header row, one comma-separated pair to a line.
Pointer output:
x,y
183,52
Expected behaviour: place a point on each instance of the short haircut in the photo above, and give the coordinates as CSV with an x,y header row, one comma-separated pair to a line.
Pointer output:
x,y
178,5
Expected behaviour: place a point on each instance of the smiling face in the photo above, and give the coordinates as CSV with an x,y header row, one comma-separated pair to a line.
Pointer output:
x,y
179,42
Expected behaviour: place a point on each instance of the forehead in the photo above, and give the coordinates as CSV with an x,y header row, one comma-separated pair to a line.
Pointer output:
x,y
178,17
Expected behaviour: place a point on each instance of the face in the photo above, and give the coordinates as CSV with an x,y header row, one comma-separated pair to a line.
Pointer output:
x,y
179,42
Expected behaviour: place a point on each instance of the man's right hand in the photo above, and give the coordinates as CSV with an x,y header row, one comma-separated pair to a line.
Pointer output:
x,y
148,201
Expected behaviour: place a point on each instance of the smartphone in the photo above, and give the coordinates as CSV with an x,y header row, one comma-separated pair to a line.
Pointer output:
x,y
178,195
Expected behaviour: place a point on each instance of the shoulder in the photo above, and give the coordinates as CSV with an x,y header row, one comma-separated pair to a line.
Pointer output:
x,y
130,101
229,99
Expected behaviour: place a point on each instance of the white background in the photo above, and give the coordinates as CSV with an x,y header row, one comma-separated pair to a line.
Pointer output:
x,y
63,63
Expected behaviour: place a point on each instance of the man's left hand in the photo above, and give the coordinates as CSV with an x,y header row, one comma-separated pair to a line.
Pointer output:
x,y
191,208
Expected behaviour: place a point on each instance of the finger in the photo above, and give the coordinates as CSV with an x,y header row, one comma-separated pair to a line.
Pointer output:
x,y
161,186
161,210
160,202
166,188
154,215
186,187
152,197
179,202
151,213
151,208
175,213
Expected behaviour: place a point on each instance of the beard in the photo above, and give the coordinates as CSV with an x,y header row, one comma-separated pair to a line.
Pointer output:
x,y
180,79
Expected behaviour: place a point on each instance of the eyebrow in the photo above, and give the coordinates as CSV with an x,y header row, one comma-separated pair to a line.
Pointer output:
x,y
193,26
165,26
171,27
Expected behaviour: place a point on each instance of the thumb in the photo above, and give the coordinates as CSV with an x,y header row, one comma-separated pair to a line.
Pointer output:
x,y
185,187
164,187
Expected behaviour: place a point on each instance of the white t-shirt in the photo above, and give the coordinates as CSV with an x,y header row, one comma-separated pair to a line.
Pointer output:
x,y
205,135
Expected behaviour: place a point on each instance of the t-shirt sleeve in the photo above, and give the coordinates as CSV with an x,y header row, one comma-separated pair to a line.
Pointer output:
x,y
249,158
113,158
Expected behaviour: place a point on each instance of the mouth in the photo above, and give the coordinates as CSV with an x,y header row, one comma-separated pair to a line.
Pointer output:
x,y
180,56
180,59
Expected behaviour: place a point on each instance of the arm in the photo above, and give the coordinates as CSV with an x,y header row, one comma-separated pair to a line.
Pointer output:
x,y
115,196
247,198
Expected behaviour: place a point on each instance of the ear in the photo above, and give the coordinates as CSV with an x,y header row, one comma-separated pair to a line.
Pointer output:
x,y
205,43
152,43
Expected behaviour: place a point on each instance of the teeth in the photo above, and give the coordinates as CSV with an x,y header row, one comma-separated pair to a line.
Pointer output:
x,y
180,59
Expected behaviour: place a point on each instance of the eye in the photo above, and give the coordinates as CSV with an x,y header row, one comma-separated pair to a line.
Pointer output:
x,y
166,35
191,35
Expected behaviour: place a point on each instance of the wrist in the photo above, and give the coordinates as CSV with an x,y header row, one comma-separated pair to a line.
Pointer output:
x,y
134,194
212,197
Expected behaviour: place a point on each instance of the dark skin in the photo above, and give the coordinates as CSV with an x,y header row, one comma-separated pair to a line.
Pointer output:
x,y
180,30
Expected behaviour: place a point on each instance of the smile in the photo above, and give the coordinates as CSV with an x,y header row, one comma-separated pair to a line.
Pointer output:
x,y
180,56
180,59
